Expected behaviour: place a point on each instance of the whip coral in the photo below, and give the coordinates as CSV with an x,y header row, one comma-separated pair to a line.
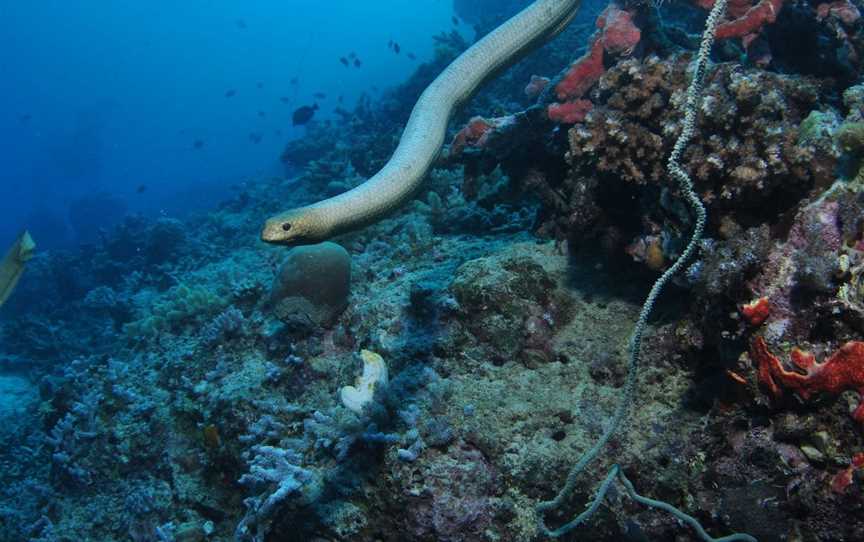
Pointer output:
x,y
843,370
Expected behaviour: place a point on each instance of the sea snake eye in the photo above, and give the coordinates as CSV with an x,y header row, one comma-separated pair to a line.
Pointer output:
x,y
286,226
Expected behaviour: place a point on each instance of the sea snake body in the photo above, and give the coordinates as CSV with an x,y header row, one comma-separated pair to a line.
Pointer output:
x,y
424,134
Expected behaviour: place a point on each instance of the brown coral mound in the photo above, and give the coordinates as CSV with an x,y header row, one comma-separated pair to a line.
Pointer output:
x,y
746,157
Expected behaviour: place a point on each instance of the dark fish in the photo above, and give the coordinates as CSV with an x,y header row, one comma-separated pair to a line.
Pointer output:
x,y
141,188
259,84
241,24
352,55
278,132
390,44
255,137
320,95
25,117
411,56
262,114
455,21
357,63
396,48
343,60
198,144
340,98
285,100
295,80
230,93
304,114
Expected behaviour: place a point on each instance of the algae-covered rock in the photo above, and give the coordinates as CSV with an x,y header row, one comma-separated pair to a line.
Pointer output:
x,y
501,297
850,136
313,284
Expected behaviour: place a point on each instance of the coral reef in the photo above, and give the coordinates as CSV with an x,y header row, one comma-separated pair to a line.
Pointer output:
x,y
175,379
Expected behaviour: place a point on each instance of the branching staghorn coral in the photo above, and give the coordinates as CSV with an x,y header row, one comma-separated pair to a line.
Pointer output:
x,y
694,99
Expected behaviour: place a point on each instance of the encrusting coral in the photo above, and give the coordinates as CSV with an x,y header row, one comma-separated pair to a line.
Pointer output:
x,y
843,370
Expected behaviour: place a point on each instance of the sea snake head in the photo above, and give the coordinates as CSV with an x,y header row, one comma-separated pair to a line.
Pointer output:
x,y
294,227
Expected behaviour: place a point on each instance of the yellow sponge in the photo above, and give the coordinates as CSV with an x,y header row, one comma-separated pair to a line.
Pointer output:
x,y
12,265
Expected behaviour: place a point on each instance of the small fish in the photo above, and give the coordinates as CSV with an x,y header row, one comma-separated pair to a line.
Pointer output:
x,y
259,84
390,44
230,93
411,56
241,24
340,98
304,114
198,144
262,114
343,60
357,63
352,55
295,80
278,132
255,137
455,21
396,48
141,188
320,95
285,100
24,118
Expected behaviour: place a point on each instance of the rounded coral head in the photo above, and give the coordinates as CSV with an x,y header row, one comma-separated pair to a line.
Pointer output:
x,y
294,227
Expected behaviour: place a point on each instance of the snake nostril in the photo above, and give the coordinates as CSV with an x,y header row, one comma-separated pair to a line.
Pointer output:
x,y
286,226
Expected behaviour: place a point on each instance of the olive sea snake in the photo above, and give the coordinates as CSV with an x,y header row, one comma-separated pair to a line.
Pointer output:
x,y
424,134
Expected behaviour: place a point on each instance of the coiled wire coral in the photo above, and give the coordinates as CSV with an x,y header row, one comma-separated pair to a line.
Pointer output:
x,y
694,94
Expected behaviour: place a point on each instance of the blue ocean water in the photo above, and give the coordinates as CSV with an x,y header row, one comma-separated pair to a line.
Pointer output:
x,y
109,98
440,270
